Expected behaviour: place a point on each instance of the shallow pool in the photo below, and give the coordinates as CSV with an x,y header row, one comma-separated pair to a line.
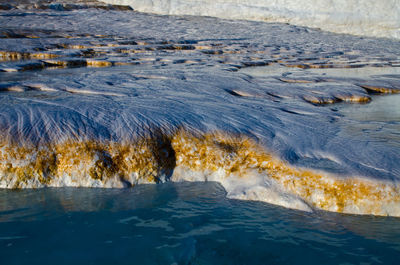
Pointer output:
x,y
182,223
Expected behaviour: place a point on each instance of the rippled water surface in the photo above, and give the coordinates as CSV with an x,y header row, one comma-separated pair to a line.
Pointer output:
x,y
184,223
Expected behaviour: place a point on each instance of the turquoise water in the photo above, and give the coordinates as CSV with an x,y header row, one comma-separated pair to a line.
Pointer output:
x,y
182,223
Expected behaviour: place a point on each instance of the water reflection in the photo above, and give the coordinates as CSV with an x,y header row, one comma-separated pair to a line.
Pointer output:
x,y
378,121
346,71
384,108
184,223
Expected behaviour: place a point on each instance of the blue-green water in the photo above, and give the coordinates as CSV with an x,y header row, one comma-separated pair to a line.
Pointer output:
x,y
186,223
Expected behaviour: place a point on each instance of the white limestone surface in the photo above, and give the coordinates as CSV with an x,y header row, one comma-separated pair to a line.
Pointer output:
x,y
358,17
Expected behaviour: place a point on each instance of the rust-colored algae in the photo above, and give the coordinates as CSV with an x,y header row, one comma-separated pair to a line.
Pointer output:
x,y
353,98
238,155
152,159
13,56
373,89
321,100
94,63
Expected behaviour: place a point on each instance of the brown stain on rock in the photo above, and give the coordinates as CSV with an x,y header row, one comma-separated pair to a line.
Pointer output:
x,y
152,159
373,89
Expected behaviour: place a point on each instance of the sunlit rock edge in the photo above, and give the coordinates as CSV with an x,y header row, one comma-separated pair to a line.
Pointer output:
x,y
244,168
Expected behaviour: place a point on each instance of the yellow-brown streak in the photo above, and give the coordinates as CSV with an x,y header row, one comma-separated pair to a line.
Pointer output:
x,y
239,154
149,159
93,63
43,56
6,56
353,98
321,100
381,89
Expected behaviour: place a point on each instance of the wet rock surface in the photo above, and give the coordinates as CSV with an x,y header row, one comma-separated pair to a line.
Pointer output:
x,y
111,77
